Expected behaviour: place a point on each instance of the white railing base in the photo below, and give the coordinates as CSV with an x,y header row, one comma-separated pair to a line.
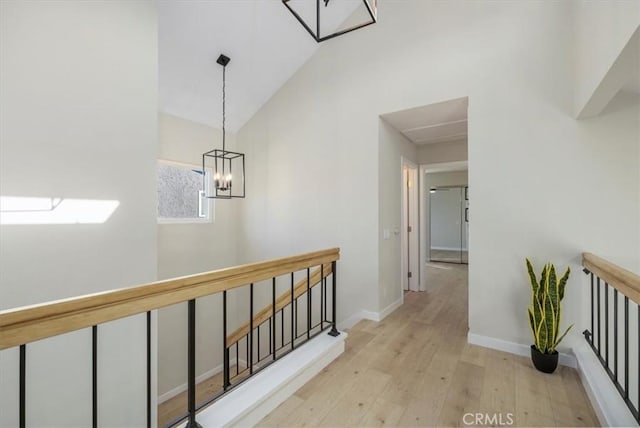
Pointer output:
x,y
605,398
247,404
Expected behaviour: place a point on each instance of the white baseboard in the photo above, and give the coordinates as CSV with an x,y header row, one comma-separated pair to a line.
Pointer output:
x,y
370,315
448,248
182,388
389,309
604,397
351,321
514,348
247,404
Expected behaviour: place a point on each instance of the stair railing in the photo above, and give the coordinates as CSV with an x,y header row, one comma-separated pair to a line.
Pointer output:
x,y
269,316
21,326
611,284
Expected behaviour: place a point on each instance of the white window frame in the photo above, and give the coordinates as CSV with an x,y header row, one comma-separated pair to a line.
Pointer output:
x,y
211,205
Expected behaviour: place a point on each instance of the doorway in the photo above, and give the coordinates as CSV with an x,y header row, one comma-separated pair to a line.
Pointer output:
x,y
409,229
449,224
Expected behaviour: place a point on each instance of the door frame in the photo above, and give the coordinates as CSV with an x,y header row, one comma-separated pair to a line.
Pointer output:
x,y
410,260
424,210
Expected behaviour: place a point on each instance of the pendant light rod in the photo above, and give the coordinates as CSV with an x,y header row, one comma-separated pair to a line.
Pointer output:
x,y
223,60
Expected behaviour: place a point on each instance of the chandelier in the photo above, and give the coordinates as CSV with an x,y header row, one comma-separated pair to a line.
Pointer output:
x,y
227,167
297,8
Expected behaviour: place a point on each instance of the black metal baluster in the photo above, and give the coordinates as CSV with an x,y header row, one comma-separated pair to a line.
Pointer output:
x,y
94,376
148,369
191,364
293,337
334,331
225,349
251,329
282,328
622,386
626,347
258,343
246,361
593,331
273,316
606,323
308,304
324,315
270,337
23,386
237,359
598,281
321,296
615,334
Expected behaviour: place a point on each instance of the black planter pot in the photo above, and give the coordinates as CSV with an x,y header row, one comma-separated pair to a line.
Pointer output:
x,y
546,363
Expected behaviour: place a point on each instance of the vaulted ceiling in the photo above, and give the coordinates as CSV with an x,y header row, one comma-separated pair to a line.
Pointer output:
x,y
263,39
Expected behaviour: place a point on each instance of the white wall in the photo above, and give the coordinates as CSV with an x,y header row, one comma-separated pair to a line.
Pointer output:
x,y
309,174
185,249
446,178
78,102
392,147
449,151
314,161
612,139
602,30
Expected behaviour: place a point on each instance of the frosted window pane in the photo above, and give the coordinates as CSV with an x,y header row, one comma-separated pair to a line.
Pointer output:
x,y
178,191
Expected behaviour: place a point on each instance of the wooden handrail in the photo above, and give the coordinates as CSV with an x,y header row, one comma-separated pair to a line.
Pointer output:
x,y
626,282
283,300
23,325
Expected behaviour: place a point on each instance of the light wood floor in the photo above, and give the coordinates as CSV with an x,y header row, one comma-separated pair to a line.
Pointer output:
x,y
449,256
415,369
171,409
176,406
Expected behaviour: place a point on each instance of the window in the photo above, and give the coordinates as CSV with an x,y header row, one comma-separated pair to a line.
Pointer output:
x,y
181,198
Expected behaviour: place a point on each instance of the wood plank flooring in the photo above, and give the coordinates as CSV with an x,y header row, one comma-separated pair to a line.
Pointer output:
x,y
176,406
452,256
415,368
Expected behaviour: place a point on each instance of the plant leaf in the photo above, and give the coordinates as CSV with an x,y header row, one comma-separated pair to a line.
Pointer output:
x,y
532,324
562,337
553,301
542,332
532,277
563,282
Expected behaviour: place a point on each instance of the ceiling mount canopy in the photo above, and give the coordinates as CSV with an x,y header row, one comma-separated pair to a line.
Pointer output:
x,y
311,15
227,167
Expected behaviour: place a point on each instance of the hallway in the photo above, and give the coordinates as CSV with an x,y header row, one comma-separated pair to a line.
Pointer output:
x,y
415,368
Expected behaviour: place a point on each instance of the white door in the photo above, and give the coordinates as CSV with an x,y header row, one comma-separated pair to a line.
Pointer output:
x,y
410,241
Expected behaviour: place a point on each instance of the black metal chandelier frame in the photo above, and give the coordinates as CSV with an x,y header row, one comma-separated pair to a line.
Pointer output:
x,y
222,161
369,4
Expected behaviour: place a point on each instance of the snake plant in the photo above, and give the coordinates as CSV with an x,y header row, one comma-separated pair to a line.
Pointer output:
x,y
545,310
